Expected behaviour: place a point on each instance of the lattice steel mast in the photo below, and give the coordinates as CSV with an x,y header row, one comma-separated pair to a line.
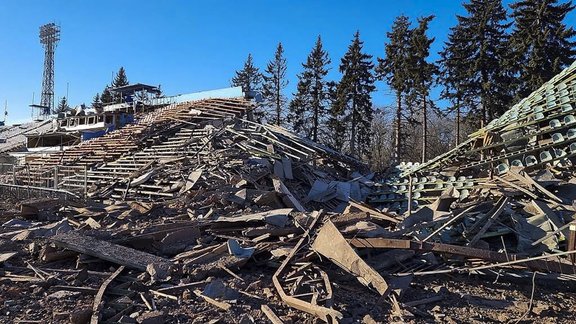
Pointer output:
x,y
49,37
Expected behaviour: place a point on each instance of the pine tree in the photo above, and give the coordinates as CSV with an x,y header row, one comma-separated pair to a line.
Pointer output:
x,y
353,98
422,74
97,103
249,78
106,97
62,106
336,124
274,83
394,69
482,41
542,44
453,76
310,104
120,80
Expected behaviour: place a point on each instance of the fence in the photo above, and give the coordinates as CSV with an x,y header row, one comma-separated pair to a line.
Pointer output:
x,y
71,180
22,192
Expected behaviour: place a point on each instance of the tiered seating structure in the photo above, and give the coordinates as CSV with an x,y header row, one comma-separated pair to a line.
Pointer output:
x,y
537,132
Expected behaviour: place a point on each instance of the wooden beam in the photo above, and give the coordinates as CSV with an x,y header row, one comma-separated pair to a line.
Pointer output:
x,y
118,254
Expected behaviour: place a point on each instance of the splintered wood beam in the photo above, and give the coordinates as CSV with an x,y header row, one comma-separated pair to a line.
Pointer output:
x,y
290,200
328,315
270,314
104,250
489,222
487,255
330,243
222,305
373,212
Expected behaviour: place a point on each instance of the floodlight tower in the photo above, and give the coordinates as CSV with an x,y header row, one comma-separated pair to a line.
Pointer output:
x,y
49,37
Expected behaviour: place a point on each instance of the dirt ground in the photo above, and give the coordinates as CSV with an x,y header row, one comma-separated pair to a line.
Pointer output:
x,y
463,299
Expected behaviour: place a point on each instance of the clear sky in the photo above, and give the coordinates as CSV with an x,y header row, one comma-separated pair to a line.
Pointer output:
x,y
188,46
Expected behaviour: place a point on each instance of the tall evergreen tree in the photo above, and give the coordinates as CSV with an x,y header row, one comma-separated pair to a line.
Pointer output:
x,y
454,76
394,69
274,83
353,97
482,41
336,122
106,98
97,103
249,78
542,44
422,74
62,106
310,104
120,80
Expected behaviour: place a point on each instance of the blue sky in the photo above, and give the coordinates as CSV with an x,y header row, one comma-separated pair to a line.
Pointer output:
x,y
188,46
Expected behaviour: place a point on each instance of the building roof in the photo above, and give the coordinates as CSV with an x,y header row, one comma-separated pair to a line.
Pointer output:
x,y
15,135
131,88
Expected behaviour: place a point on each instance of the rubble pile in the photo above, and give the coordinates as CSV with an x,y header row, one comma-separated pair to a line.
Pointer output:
x,y
206,256
207,216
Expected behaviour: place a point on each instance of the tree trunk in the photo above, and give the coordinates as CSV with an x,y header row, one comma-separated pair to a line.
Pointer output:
x,y
457,121
483,120
353,130
315,123
424,130
483,100
397,143
278,103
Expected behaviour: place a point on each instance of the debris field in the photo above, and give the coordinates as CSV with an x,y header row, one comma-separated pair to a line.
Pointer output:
x,y
196,214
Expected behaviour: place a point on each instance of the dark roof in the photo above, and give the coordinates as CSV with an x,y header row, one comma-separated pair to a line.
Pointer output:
x,y
131,88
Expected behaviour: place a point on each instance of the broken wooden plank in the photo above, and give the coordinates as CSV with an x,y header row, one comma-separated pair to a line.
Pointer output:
x,y
490,220
193,177
326,314
331,244
290,199
142,179
424,301
180,288
517,187
230,272
276,217
6,256
146,302
95,319
270,314
452,220
92,223
373,213
222,305
118,254
161,294
529,181
536,264
546,210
